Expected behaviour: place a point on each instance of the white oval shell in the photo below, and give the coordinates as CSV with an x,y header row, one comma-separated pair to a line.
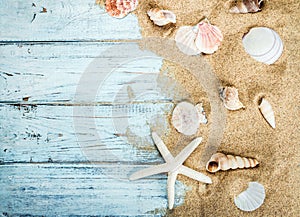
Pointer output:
x,y
267,111
263,44
185,40
252,198
161,17
186,118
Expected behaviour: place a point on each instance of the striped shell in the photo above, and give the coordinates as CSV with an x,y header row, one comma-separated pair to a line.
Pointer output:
x,y
220,161
246,6
120,8
252,198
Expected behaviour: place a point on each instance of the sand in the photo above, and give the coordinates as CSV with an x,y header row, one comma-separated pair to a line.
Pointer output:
x,y
246,132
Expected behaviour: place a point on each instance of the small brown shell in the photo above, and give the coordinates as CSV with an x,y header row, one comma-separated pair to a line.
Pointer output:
x,y
230,97
220,161
246,6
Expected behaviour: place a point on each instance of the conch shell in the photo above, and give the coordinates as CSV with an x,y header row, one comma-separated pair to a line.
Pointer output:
x,y
220,161
246,6
230,97
161,17
120,8
267,111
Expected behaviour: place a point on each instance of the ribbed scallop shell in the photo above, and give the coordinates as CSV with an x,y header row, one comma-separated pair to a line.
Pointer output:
x,y
220,161
186,118
209,37
185,40
252,198
230,97
267,111
120,8
246,6
161,17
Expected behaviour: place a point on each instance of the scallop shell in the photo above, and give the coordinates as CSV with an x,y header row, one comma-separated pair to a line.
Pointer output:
x,y
120,8
230,97
185,40
161,17
263,44
267,111
186,118
209,37
252,198
220,161
203,37
246,6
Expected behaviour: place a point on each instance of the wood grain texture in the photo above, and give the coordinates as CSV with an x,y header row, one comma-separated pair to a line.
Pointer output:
x,y
71,189
67,20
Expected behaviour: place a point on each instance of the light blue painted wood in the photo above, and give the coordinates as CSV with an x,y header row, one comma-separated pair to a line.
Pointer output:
x,y
64,21
63,189
51,72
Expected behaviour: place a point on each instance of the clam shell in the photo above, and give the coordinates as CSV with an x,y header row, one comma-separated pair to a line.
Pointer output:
x,y
267,111
209,37
186,118
252,198
263,44
161,17
185,40
120,8
220,161
230,97
246,6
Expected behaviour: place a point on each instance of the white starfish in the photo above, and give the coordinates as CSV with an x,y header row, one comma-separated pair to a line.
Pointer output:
x,y
173,166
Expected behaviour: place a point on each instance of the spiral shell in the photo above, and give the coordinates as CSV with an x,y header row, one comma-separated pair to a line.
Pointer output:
x,y
161,17
220,161
246,6
120,8
267,111
230,97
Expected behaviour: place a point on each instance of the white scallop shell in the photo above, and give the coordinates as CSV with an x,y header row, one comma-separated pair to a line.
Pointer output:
x,y
252,198
267,111
263,44
161,17
186,118
185,40
209,37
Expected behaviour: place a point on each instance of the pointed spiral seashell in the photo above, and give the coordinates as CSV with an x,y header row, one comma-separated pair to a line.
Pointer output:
x,y
185,40
220,161
230,97
209,37
186,118
161,17
267,112
120,8
246,6
252,198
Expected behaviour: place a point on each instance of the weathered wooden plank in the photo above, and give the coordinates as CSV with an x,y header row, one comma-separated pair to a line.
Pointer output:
x,y
64,21
51,72
102,133
50,189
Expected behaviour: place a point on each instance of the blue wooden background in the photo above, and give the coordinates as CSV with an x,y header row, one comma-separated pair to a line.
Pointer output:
x,y
50,167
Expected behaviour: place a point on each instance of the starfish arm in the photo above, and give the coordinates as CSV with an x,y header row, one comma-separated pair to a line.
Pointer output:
x,y
162,168
194,174
171,188
183,155
162,148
